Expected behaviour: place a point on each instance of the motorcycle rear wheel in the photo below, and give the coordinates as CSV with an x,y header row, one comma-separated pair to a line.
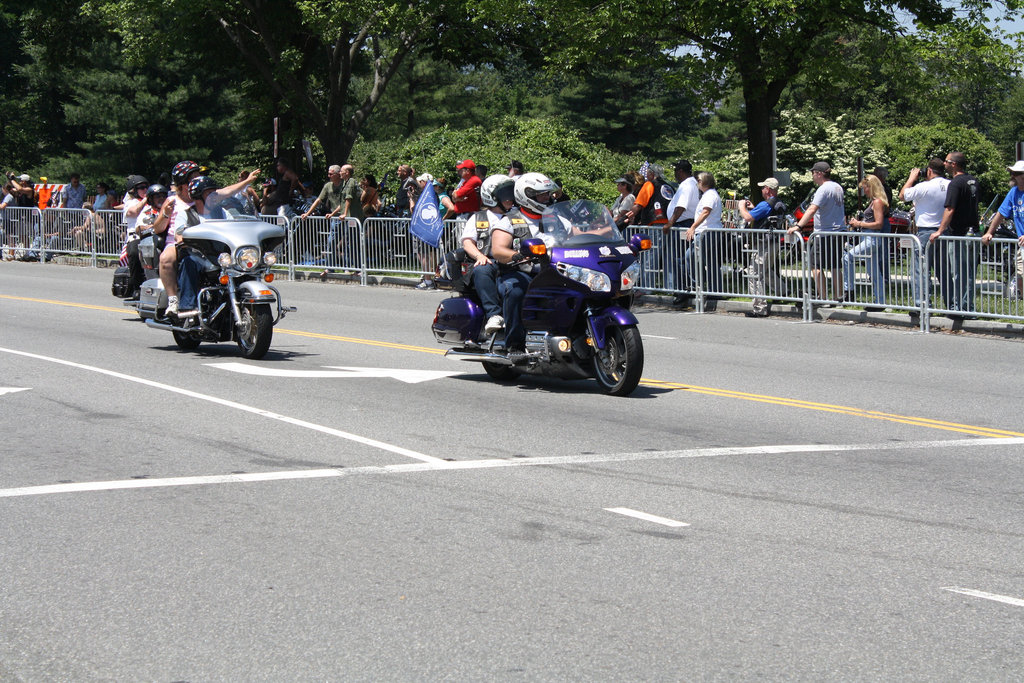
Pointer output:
x,y
619,365
255,331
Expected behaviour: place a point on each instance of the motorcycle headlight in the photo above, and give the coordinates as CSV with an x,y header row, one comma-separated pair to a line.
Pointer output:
x,y
224,260
594,279
630,276
270,258
247,258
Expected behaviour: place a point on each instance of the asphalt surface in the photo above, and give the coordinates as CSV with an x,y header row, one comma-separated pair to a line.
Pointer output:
x,y
777,500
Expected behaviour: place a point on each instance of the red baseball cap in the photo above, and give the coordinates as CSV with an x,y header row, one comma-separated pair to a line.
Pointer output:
x,y
468,163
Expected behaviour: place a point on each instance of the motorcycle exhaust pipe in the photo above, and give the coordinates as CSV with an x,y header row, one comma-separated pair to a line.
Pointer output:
x,y
495,358
167,327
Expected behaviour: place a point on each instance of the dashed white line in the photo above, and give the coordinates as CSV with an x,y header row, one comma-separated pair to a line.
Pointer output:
x,y
647,517
1016,602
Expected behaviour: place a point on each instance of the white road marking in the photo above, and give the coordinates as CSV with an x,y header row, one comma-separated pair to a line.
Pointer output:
x,y
237,406
334,371
11,390
1016,602
654,336
437,465
646,517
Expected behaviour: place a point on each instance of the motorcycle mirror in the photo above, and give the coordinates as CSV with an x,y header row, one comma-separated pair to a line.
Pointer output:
x,y
640,243
533,247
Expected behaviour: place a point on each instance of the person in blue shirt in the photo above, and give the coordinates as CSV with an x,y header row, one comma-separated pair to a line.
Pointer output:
x,y
1012,208
764,263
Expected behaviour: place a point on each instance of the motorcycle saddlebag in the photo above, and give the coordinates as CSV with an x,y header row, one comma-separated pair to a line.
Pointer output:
x,y
458,319
121,284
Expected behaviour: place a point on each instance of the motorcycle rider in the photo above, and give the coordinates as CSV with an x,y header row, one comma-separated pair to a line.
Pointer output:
x,y
533,193
497,194
209,200
175,212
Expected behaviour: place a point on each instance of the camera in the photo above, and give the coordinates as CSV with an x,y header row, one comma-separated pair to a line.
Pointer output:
x,y
10,175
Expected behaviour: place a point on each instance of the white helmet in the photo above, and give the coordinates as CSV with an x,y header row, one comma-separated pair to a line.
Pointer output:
x,y
495,188
528,186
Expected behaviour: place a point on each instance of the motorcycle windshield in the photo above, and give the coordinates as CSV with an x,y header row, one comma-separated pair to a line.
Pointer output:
x,y
236,207
578,222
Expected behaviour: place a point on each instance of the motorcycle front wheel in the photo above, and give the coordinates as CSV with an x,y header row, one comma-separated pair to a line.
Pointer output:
x,y
255,330
619,365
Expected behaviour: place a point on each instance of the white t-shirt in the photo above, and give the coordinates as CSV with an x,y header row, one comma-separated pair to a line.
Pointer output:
x,y
709,200
831,213
132,221
929,200
179,218
686,196
7,200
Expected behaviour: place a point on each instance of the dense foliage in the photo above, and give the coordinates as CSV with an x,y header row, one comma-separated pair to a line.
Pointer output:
x,y
110,88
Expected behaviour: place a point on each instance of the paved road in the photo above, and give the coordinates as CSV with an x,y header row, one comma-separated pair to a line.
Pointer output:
x,y
777,500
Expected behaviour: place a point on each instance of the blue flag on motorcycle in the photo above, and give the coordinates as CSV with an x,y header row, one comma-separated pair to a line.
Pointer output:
x,y
427,223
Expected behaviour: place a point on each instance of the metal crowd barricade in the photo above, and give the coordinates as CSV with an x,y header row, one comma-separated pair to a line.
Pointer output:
x,y
878,270
21,226
970,279
748,264
392,250
324,244
108,243
67,231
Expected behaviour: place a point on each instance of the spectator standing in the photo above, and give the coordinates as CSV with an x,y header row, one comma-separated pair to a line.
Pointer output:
x,y
623,203
882,173
763,272
368,196
827,210
405,192
681,210
515,169
105,199
929,198
467,193
959,217
447,208
250,193
6,199
1012,208
277,196
331,194
73,194
875,219
352,208
703,238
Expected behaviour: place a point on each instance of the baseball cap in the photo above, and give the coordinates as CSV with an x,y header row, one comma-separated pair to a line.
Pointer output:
x,y
1017,167
769,182
24,176
426,177
683,164
620,180
821,166
468,163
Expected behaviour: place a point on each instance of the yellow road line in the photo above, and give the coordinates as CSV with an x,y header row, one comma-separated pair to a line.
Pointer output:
x,y
654,383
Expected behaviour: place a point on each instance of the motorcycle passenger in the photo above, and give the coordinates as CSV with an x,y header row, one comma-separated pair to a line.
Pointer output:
x,y
175,216
533,193
156,195
497,194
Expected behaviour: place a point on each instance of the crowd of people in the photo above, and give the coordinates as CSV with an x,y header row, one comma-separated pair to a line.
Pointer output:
x,y
686,214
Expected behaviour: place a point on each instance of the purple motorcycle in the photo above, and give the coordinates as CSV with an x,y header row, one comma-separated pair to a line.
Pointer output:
x,y
576,310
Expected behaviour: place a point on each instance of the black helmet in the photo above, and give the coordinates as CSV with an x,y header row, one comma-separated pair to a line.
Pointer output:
x,y
156,190
181,171
200,184
135,181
